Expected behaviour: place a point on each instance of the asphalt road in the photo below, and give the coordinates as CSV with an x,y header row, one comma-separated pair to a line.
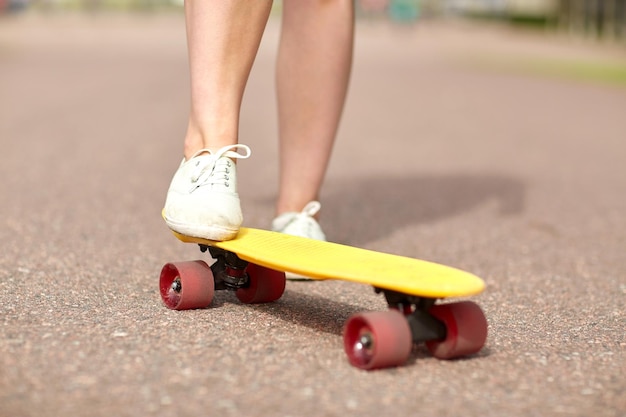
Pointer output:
x,y
450,150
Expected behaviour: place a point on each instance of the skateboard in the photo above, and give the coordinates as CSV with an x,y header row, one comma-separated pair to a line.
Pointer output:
x,y
254,265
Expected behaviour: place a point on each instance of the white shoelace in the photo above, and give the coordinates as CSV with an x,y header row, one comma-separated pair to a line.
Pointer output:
x,y
205,173
311,209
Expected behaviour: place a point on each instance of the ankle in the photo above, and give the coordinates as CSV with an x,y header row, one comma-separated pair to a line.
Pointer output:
x,y
198,138
191,147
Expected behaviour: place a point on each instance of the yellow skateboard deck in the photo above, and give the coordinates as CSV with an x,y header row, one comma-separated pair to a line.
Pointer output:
x,y
326,260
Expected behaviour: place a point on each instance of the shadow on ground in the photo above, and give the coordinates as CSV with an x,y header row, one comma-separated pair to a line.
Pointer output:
x,y
361,210
309,310
371,208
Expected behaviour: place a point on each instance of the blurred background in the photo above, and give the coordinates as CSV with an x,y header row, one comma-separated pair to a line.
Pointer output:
x,y
598,18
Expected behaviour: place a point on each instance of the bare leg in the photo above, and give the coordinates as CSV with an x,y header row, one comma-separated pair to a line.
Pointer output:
x,y
313,72
223,37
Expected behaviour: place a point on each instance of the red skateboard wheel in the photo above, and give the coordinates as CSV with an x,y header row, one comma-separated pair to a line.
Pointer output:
x,y
186,285
466,327
266,285
377,339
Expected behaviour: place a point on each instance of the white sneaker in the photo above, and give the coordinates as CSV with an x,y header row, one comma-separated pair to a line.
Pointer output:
x,y
202,200
300,224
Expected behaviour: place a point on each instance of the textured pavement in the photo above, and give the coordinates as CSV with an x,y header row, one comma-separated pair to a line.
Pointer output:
x,y
451,150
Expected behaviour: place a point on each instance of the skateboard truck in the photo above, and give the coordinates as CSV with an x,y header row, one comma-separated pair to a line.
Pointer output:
x,y
229,271
423,325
